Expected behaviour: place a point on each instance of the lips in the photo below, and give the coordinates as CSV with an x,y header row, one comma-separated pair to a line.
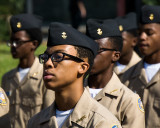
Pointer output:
x,y
142,45
47,75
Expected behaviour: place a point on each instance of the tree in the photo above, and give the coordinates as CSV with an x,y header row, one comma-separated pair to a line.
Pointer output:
x,y
8,8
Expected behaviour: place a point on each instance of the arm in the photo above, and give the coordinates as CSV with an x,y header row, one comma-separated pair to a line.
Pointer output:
x,y
134,116
82,9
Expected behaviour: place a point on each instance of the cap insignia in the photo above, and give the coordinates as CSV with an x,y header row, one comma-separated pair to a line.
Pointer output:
x,y
120,28
64,36
151,17
99,31
19,25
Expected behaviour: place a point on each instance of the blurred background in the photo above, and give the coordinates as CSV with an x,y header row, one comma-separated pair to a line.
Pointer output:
x,y
58,10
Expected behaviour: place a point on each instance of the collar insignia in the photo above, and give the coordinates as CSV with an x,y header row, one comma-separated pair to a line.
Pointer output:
x,y
99,31
81,119
34,74
64,36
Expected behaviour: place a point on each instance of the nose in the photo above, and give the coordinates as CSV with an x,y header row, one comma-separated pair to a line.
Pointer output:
x,y
143,36
48,64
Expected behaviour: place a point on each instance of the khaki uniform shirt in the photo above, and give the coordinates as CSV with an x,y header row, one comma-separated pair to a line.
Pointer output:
x,y
135,78
27,97
134,60
123,103
87,114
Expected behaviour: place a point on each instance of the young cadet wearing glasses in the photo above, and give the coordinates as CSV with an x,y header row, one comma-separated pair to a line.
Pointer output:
x,y
129,30
67,60
144,77
104,84
24,85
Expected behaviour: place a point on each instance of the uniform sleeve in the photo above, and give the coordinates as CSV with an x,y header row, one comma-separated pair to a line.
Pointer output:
x,y
4,103
134,114
4,109
104,124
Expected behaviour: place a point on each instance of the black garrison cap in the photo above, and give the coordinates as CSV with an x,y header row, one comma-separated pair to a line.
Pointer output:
x,y
127,22
98,29
62,34
25,21
150,14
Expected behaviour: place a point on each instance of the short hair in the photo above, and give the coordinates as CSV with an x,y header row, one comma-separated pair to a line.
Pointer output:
x,y
85,53
35,34
117,42
133,32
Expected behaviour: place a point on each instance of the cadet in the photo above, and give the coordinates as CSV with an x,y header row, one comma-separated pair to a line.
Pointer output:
x,y
104,84
143,78
129,30
24,85
67,60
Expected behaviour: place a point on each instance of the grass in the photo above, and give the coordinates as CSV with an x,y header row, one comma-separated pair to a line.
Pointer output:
x,y
7,62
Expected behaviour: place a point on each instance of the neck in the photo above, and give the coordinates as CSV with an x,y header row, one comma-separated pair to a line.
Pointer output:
x,y
27,62
68,97
100,80
125,59
153,59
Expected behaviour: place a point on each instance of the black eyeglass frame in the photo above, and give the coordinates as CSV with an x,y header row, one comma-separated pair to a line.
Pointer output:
x,y
63,57
106,49
17,43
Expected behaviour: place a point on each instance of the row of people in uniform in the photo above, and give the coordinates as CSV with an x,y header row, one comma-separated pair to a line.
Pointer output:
x,y
70,56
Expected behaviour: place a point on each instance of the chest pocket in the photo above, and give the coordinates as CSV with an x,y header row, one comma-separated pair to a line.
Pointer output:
x,y
31,106
32,102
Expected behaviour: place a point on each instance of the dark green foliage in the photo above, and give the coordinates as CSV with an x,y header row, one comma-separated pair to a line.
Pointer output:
x,y
8,8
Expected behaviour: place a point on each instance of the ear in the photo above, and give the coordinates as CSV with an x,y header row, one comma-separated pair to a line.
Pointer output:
x,y
115,56
35,44
83,68
134,41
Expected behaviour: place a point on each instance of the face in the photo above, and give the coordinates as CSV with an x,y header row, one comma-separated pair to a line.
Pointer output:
x,y
23,48
129,41
149,39
60,75
103,60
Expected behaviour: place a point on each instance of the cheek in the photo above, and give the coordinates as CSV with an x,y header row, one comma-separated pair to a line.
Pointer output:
x,y
99,64
64,75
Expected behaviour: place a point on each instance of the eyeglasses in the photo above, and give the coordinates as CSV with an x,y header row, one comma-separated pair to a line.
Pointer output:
x,y
57,57
106,49
17,43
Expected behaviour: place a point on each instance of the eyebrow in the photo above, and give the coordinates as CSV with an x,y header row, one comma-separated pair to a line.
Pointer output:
x,y
60,50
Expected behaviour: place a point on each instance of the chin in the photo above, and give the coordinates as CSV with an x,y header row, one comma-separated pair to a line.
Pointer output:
x,y
92,72
50,85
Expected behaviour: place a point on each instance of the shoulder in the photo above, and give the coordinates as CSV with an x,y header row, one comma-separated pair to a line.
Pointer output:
x,y
10,73
129,94
131,71
103,114
131,100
